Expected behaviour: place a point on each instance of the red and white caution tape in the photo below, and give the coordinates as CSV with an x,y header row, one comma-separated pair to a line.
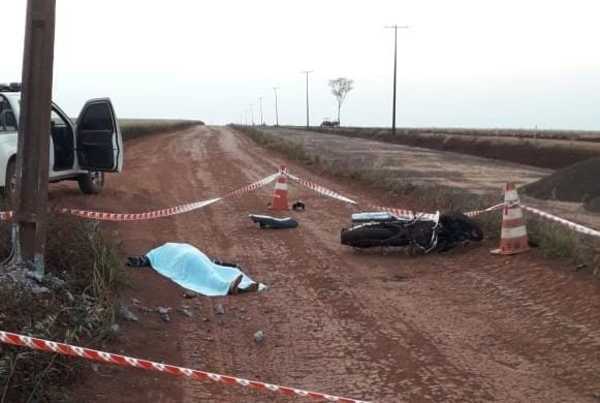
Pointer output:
x,y
416,214
124,361
570,224
149,215
404,213
319,189
475,213
253,186
395,211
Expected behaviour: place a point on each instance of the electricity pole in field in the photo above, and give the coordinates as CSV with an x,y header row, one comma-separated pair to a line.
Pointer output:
x,y
261,114
252,113
307,72
395,28
276,108
31,196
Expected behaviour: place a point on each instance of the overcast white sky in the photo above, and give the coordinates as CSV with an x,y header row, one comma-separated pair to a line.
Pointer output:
x,y
472,63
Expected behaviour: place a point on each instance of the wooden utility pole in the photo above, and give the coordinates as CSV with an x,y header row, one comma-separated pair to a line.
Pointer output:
x,y
395,28
307,72
276,108
31,198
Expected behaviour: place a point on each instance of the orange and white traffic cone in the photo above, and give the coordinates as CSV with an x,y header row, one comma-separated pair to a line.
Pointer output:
x,y
280,194
514,233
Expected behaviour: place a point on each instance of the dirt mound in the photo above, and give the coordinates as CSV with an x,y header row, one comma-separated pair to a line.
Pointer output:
x,y
593,205
576,183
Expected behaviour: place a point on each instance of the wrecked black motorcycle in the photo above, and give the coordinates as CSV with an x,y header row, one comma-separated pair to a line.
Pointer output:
x,y
439,232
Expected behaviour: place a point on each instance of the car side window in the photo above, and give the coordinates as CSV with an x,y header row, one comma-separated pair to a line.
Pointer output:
x,y
97,117
8,122
56,120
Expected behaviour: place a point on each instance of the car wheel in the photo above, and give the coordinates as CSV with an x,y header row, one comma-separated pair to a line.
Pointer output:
x,y
91,182
10,183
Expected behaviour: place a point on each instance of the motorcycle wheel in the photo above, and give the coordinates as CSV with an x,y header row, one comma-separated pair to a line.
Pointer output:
x,y
366,237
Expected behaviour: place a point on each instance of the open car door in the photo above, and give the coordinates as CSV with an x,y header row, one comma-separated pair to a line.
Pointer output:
x,y
99,142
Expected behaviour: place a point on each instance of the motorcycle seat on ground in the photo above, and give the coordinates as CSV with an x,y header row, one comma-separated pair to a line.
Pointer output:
x,y
265,221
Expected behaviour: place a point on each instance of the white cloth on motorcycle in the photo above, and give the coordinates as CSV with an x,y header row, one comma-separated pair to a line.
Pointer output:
x,y
384,216
373,216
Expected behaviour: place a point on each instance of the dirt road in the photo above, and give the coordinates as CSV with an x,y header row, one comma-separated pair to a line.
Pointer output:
x,y
462,326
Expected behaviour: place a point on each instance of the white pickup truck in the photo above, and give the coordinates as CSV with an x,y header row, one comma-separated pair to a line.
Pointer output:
x,y
80,151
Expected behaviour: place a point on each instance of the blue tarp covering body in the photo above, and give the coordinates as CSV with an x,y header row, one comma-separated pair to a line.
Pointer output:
x,y
192,269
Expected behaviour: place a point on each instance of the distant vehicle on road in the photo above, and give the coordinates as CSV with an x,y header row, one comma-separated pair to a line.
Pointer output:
x,y
83,150
330,123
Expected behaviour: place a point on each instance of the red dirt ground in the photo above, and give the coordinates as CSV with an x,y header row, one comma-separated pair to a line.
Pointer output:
x,y
463,326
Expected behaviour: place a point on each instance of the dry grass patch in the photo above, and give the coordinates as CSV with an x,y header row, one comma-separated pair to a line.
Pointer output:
x,y
79,305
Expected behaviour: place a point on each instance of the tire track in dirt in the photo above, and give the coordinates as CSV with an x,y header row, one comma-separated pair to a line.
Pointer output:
x,y
462,326
285,288
499,387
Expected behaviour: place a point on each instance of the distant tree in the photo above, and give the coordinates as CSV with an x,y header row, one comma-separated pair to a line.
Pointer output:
x,y
340,87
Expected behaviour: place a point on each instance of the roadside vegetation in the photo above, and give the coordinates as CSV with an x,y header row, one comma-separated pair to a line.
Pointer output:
x,y
571,135
133,128
549,149
76,303
554,241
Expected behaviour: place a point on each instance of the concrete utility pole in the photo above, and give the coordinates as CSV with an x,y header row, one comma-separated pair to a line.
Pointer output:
x,y
307,72
276,108
31,198
252,113
395,28
261,114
